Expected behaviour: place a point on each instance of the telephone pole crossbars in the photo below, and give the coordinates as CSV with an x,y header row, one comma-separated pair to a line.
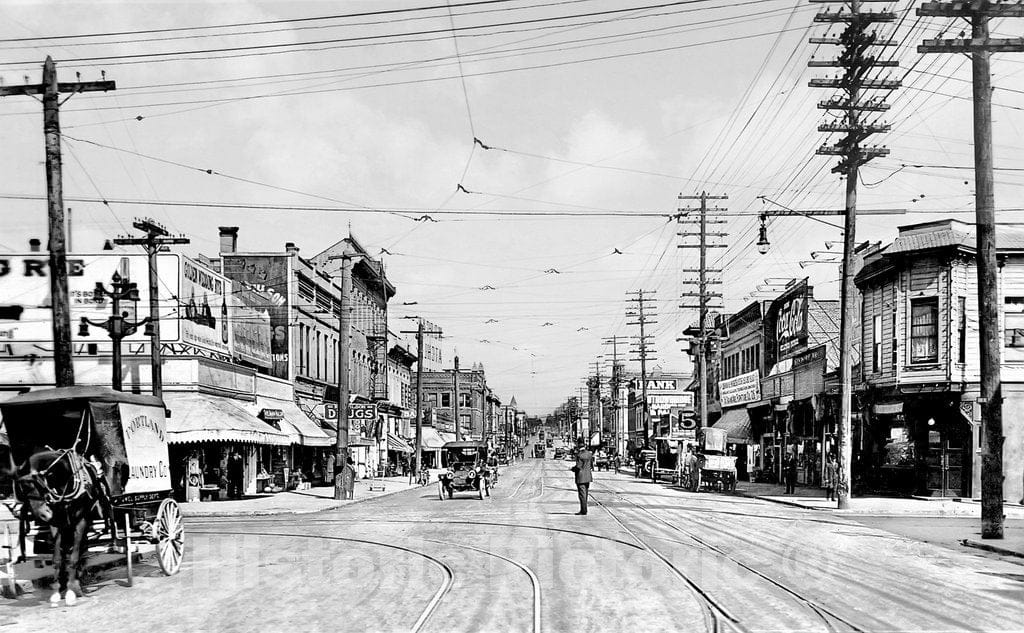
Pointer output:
x,y
615,382
857,59
980,47
703,281
643,315
51,89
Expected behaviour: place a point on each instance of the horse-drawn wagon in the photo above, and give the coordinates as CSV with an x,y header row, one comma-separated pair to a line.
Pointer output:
x,y
91,464
715,469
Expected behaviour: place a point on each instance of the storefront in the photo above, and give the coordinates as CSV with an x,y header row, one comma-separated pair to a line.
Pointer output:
x,y
736,422
206,429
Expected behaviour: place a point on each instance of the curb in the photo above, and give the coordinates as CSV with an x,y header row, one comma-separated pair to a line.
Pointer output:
x,y
261,513
995,549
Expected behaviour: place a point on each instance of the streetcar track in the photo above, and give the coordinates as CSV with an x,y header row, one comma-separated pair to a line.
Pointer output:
x,y
445,588
818,609
529,572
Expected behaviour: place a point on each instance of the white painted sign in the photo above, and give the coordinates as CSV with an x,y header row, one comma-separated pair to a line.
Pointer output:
x,y
740,389
203,313
144,430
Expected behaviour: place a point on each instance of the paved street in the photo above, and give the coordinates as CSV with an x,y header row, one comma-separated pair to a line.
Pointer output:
x,y
646,557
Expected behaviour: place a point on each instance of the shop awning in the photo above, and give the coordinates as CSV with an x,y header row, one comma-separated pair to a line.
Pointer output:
x,y
199,417
396,443
431,438
299,428
736,422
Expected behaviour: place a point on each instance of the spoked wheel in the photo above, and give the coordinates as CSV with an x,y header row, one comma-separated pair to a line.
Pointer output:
x,y
440,490
169,533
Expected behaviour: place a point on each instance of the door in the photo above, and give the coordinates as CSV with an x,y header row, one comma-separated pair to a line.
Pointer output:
x,y
945,467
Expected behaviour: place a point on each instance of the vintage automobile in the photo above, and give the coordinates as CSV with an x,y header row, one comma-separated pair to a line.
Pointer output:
x,y
466,468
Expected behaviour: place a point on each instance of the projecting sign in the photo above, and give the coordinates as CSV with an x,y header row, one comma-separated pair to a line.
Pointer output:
x,y
786,323
362,411
740,390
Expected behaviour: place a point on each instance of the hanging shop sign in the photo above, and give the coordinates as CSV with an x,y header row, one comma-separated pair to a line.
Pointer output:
x,y
740,389
786,323
813,355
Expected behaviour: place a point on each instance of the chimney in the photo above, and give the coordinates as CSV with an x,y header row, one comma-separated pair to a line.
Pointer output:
x,y
33,245
291,248
228,239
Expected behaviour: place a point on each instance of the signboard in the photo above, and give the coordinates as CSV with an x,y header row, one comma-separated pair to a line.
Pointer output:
x,y
661,403
740,390
786,323
144,431
268,274
25,306
204,307
250,325
662,384
362,412
815,354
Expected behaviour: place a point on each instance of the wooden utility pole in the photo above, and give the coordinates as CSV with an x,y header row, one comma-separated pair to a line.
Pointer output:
x,y
643,315
615,382
980,47
420,333
344,359
156,240
703,294
857,59
50,88
455,400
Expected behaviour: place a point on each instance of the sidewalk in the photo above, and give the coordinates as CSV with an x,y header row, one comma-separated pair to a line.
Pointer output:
x,y
296,501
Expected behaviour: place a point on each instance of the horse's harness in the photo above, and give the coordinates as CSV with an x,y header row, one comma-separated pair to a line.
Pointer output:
x,y
78,485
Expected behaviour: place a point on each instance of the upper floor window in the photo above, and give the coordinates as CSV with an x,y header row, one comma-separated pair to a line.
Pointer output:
x,y
466,400
924,330
1013,335
876,343
446,399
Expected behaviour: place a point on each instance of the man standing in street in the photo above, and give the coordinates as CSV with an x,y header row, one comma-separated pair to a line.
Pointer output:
x,y
583,471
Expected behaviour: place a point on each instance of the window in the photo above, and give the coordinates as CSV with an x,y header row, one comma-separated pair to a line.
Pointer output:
x,y
876,343
895,343
446,399
466,400
924,330
961,355
1013,308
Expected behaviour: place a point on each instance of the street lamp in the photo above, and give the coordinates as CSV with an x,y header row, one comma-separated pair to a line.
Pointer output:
x,y
762,236
117,324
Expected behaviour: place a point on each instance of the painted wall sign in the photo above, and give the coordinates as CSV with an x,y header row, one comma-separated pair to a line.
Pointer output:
x,y
786,324
268,274
203,314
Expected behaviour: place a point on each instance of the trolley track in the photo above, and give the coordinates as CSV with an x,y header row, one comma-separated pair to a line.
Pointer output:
x,y
827,615
431,606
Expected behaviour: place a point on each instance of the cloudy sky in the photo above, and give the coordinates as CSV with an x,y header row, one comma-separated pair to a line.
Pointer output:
x,y
300,121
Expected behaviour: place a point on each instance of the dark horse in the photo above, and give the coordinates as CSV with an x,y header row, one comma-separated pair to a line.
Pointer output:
x,y
62,492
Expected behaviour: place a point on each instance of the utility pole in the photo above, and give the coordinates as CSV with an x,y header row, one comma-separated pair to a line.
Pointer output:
x,y
703,281
616,376
643,315
455,400
50,88
341,471
156,240
980,47
420,332
857,59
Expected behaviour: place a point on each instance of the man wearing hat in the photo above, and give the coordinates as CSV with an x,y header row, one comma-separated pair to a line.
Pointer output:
x,y
584,472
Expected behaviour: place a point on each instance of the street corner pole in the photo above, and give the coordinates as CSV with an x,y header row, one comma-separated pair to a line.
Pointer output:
x,y
341,469
419,398
64,371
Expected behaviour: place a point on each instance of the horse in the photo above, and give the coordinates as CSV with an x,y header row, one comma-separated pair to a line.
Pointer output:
x,y
62,491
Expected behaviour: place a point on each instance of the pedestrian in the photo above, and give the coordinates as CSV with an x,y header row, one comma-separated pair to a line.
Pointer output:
x,y
690,469
790,466
831,477
236,468
583,471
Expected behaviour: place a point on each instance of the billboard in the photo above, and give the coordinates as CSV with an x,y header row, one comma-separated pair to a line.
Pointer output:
x,y
740,389
25,306
203,309
250,325
269,275
786,324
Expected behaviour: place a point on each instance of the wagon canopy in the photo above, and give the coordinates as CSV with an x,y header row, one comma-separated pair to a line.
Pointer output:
x,y
125,432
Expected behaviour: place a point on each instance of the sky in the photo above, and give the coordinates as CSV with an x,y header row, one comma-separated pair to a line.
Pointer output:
x,y
515,163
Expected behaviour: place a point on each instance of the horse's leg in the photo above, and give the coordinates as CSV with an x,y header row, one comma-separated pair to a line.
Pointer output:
x,y
75,559
59,561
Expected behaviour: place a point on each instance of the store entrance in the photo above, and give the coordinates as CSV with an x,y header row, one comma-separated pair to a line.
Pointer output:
x,y
944,462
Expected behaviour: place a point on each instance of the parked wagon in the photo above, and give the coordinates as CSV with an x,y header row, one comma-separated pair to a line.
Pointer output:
x,y
715,469
114,445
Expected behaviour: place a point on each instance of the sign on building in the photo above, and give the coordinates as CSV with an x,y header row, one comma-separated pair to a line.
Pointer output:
x,y
25,306
740,389
250,325
268,274
203,312
786,323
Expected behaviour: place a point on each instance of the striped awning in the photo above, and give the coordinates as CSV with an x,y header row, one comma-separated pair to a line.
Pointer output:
x,y
736,423
396,443
200,417
294,423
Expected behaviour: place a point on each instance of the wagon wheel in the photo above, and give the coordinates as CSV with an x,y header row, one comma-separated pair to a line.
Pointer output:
x,y
170,536
440,490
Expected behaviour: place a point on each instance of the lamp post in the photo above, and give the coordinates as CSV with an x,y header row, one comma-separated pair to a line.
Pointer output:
x,y
117,324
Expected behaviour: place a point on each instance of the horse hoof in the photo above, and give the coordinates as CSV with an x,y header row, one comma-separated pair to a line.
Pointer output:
x,y
70,598
55,599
